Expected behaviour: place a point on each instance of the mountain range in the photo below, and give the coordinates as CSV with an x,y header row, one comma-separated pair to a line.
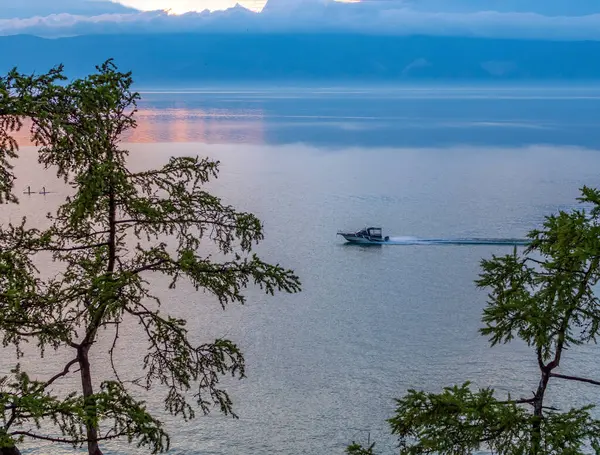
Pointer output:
x,y
190,59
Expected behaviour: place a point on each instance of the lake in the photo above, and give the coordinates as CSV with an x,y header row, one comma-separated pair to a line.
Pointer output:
x,y
325,365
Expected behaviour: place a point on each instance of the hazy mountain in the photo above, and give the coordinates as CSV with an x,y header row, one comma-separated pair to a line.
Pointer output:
x,y
10,9
190,58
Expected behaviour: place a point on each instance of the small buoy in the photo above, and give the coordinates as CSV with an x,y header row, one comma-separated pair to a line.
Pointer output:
x,y
43,190
27,191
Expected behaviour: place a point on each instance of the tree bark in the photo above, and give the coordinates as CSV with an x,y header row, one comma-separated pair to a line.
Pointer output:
x,y
10,451
84,348
538,411
88,391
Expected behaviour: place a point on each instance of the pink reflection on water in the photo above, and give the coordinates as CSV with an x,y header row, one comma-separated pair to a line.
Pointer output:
x,y
211,126
181,125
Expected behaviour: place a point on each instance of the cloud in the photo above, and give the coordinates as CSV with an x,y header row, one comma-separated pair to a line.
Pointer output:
x,y
10,9
391,17
545,7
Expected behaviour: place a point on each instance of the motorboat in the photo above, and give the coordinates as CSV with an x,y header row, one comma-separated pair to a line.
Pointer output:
x,y
368,235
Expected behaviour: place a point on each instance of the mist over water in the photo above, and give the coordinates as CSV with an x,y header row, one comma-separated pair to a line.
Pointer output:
x,y
325,365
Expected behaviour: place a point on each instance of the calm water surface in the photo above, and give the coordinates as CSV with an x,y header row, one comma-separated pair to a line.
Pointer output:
x,y
325,365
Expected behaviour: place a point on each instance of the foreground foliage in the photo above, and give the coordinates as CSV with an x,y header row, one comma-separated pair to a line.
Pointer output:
x,y
545,297
109,241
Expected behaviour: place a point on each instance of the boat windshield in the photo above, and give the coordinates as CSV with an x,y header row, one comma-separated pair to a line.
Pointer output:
x,y
375,232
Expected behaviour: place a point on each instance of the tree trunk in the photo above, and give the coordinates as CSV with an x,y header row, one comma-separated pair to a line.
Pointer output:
x,y
83,351
538,413
9,451
88,391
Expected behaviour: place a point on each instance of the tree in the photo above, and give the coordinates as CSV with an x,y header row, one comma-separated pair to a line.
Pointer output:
x,y
117,232
544,296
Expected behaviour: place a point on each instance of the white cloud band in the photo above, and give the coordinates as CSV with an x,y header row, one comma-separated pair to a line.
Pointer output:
x,y
322,17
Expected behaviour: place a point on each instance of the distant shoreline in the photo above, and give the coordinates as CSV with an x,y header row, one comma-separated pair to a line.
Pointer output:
x,y
287,59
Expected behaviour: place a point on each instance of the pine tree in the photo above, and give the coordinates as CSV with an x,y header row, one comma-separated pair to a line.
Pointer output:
x,y
109,241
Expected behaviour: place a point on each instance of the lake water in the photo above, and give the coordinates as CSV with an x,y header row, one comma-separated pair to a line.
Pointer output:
x,y
325,365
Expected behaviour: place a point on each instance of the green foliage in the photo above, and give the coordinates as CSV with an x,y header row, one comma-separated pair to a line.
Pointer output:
x,y
457,421
21,96
26,401
109,240
357,449
548,303
545,297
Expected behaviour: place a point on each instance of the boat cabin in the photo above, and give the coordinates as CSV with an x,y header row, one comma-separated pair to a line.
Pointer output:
x,y
371,232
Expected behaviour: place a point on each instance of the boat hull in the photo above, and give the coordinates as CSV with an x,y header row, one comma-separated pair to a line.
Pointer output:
x,y
352,238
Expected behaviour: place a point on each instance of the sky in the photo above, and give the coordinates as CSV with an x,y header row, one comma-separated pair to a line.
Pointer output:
x,y
554,6
537,19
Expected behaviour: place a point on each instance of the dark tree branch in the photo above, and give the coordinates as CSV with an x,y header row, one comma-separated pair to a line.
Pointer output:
x,y
112,352
150,266
540,358
574,378
13,416
91,234
521,401
550,408
65,440
74,248
558,269
61,374
565,325
179,221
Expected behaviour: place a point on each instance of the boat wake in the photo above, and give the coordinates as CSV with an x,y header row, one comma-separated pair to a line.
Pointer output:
x,y
456,241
